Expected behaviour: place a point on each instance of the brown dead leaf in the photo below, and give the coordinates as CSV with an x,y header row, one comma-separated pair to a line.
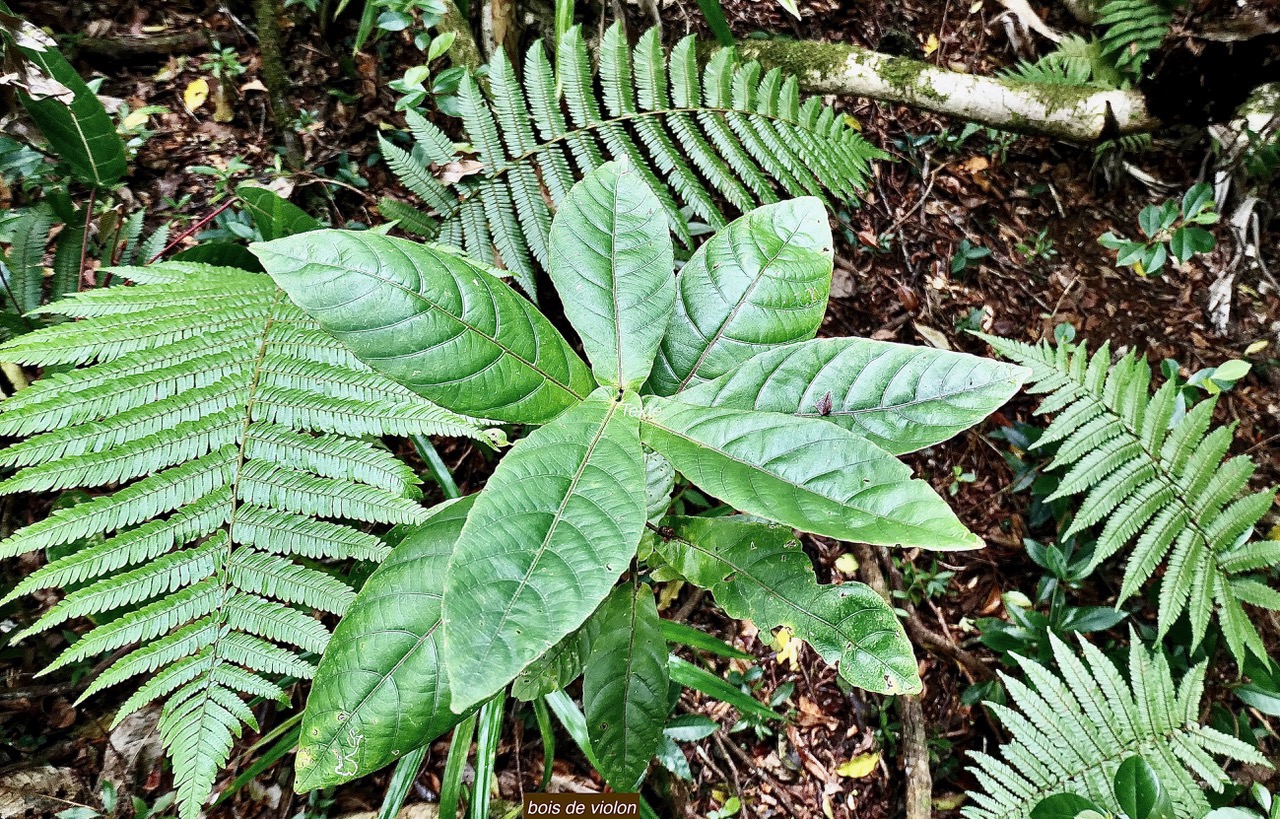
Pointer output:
x,y
811,715
459,169
934,337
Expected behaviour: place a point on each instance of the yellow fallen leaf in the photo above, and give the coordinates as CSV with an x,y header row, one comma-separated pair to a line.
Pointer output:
x,y
860,766
196,93
847,564
1256,347
788,648
852,122
975,7
1274,534
136,119
931,45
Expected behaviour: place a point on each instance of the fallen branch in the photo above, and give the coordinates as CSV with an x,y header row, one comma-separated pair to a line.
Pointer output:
x,y
1062,111
129,49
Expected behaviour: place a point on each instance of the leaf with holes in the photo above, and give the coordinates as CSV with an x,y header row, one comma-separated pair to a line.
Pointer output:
x,y
759,573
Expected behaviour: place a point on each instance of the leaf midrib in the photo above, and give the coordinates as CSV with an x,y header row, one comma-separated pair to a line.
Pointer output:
x,y
770,260
555,522
460,322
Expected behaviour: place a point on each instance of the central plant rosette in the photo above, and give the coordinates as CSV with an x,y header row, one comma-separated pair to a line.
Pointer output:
x,y
713,375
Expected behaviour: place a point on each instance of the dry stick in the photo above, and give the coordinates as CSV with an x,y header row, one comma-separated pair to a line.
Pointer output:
x,y
779,791
915,748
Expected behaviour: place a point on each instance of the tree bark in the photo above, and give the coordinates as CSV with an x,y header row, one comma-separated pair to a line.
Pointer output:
x,y
1065,112
275,77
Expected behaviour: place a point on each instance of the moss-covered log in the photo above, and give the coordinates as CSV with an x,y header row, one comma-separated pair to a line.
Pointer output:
x,y
1065,112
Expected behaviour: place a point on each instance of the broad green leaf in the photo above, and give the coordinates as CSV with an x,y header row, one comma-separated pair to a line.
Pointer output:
x,y
275,217
901,397
80,133
759,573
803,473
611,262
554,528
380,690
433,321
624,686
561,665
761,282
1140,792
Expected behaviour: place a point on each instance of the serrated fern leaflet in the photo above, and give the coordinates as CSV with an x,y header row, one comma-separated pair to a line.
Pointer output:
x,y
729,133
230,433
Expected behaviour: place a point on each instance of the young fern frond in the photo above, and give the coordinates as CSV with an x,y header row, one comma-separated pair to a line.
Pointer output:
x,y
1162,485
731,134
1076,62
1134,30
240,432
1069,733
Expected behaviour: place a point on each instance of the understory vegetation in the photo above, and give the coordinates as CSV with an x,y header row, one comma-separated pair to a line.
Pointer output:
x,y
567,463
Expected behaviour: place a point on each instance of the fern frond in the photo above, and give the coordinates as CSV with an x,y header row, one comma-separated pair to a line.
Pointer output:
x,y
1134,30
1165,487
734,134
237,429
1076,62
1070,732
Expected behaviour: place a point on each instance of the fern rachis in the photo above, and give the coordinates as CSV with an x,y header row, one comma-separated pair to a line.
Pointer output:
x,y
1071,730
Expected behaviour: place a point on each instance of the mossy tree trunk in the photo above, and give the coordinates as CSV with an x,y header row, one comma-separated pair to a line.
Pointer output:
x,y
1065,112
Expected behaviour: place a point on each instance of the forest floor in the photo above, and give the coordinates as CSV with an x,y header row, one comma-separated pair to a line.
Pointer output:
x,y
1037,206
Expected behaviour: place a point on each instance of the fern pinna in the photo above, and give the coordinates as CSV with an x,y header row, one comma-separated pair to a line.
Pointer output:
x,y
733,133
229,429
1158,481
1070,731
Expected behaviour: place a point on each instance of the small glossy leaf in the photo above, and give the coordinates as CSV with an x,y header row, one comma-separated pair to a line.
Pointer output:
x,y
803,473
1199,197
433,321
551,532
380,690
898,396
1063,806
624,686
690,727
761,282
1139,791
758,572
611,262
274,216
